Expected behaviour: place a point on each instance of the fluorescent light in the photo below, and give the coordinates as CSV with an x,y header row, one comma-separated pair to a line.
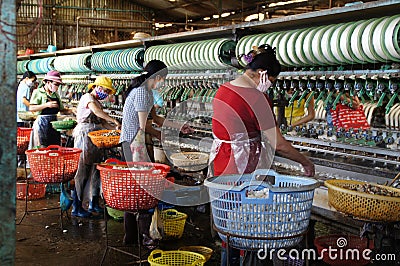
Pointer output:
x,y
215,16
224,15
286,3
252,17
206,18
168,25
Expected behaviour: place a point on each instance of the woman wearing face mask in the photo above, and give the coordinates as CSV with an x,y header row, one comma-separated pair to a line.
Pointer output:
x,y
138,113
47,102
24,94
242,117
90,117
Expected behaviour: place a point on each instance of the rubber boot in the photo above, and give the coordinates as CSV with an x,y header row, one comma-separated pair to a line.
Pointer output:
x,y
94,205
77,209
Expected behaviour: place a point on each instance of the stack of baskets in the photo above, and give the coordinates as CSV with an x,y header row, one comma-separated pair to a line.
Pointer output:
x,y
260,214
363,205
132,186
23,136
54,164
173,223
105,138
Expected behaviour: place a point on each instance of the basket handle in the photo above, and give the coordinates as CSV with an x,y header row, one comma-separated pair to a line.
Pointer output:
x,y
53,147
157,253
114,161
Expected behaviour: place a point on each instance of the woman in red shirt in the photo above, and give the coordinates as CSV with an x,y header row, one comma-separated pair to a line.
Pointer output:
x,y
243,115
242,118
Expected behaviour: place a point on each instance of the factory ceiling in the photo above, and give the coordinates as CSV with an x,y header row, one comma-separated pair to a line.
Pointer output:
x,y
218,12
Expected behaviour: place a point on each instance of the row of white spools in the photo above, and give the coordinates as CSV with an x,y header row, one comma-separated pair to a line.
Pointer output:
x,y
366,41
208,54
360,42
116,60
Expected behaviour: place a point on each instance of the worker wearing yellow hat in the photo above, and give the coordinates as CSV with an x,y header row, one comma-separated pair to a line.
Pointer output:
x,y
90,117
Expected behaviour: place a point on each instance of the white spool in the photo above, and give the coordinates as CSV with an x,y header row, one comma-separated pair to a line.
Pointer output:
x,y
392,37
291,48
316,45
276,42
337,52
326,48
356,42
367,41
308,48
282,51
299,47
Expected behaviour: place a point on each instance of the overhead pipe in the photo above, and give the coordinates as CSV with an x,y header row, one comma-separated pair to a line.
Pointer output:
x,y
106,19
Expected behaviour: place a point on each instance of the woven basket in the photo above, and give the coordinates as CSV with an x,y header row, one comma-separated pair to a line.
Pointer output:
x,y
205,251
27,116
173,223
188,159
361,204
35,191
175,258
101,141
132,190
23,136
54,164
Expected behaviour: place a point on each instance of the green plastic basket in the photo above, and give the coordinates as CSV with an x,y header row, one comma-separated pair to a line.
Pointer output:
x,y
64,125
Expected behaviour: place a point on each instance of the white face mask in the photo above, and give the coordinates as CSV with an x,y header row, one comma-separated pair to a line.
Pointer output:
x,y
29,83
265,83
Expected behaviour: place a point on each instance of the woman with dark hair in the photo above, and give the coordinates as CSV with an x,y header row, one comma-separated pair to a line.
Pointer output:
x,y
25,85
135,122
242,118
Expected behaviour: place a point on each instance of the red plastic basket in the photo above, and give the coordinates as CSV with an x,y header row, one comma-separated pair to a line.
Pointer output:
x,y
23,136
342,244
54,164
132,190
35,191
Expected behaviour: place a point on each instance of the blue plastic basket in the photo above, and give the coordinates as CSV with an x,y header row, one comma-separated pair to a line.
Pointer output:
x,y
277,218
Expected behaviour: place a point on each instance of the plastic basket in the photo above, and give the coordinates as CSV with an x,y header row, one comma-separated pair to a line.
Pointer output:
x,y
101,139
27,116
63,125
342,244
35,191
23,136
205,251
361,204
173,223
189,159
54,164
277,217
175,258
132,190
115,214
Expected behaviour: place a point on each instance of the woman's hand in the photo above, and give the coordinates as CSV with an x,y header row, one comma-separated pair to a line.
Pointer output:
x,y
186,129
52,104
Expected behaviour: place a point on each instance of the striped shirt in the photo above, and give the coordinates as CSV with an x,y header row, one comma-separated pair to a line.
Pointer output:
x,y
139,99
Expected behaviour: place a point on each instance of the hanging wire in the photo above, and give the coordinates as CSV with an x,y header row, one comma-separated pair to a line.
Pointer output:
x,y
12,37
